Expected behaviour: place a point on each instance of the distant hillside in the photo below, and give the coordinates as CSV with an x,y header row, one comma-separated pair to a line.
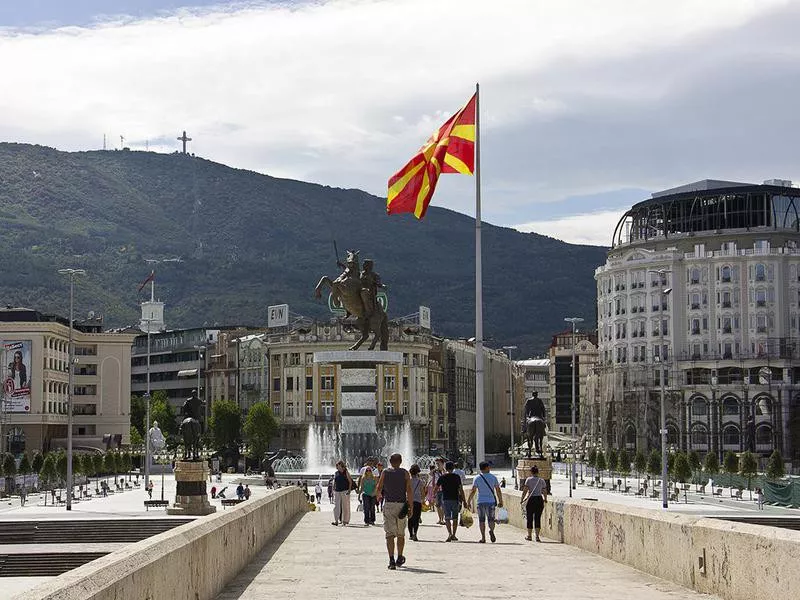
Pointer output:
x,y
249,240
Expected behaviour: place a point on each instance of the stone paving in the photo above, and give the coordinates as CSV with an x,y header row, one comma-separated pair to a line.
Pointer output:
x,y
311,558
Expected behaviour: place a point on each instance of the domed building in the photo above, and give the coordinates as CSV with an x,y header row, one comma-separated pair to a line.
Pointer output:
x,y
702,281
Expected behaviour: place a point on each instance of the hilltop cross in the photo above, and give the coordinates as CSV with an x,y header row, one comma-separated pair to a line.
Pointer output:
x,y
184,139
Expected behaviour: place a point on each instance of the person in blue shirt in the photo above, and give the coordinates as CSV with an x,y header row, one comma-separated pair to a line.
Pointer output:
x,y
490,496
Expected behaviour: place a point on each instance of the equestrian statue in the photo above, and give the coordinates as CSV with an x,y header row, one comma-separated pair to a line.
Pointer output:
x,y
356,290
533,424
190,428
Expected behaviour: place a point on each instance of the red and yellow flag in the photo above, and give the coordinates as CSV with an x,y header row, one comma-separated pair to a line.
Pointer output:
x,y
450,150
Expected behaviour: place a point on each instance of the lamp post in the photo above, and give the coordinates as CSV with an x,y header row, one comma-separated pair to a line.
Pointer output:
x,y
147,417
72,273
662,372
508,350
572,483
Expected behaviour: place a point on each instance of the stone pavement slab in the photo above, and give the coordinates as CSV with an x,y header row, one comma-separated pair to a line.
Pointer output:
x,y
311,558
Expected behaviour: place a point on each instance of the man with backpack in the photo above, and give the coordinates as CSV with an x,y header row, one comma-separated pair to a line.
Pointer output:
x,y
487,486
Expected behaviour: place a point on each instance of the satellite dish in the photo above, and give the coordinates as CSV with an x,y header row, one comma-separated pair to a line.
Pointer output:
x,y
91,314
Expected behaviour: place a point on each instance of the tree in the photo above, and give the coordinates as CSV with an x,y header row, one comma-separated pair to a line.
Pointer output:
x,y
25,469
600,463
127,464
226,422
48,473
731,465
592,459
611,462
694,464
682,469
260,427
624,465
775,468
671,464
711,465
654,463
138,415
136,439
38,461
88,468
161,410
9,471
639,465
748,467
110,464
99,464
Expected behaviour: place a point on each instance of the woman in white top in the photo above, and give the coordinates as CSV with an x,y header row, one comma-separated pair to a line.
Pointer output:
x,y
535,490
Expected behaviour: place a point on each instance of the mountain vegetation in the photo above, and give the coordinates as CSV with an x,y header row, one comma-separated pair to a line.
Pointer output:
x,y
248,241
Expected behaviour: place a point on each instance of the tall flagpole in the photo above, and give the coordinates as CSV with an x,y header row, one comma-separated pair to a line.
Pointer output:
x,y
479,408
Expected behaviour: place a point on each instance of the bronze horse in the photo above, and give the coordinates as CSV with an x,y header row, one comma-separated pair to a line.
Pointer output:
x,y
190,428
534,434
347,291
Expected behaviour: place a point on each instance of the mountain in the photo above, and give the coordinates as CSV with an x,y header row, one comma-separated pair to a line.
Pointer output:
x,y
249,240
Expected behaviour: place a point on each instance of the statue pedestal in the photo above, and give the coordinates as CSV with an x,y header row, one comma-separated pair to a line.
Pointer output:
x,y
191,497
524,468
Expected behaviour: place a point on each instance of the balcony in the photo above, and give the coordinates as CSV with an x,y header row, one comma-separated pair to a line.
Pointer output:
x,y
761,303
695,332
694,281
726,330
761,329
726,304
725,279
695,307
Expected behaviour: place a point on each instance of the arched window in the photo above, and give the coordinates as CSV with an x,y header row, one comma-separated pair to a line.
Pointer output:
x,y
672,434
730,406
761,272
764,435
699,435
725,274
699,407
630,436
763,408
730,435
694,275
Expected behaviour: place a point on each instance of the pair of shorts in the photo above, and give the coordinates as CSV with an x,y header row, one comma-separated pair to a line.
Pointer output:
x,y
486,510
451,509
393,525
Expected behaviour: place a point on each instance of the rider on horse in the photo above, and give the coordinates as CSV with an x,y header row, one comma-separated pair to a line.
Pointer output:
x,y
533,422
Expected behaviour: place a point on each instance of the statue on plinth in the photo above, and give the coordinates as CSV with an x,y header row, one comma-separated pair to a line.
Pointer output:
x,y
157,440
357,290
534,426
190,428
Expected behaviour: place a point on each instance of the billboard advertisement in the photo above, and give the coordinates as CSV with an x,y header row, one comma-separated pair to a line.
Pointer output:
x,y
15,358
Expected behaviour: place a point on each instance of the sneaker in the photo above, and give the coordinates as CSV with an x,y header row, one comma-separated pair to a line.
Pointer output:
x,y
528,538
492,537
537,539
481,541
392,565
401,560
335,524
453,538
449,538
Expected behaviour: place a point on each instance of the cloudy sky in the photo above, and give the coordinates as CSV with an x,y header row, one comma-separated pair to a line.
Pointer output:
x,y
586,106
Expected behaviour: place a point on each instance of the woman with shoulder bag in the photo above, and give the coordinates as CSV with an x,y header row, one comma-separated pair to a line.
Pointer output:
x,y
535,490
415,517
366,487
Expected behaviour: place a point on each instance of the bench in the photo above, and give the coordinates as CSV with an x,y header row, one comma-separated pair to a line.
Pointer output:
x,y
148,504
717,492
231,501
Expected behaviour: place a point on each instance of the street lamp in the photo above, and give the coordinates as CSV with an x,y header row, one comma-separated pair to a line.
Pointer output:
x,y
508,350
147,416
72,273
572,483
662,372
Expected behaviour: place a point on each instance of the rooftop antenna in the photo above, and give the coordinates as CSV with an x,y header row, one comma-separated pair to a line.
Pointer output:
x,y
104,141
121,142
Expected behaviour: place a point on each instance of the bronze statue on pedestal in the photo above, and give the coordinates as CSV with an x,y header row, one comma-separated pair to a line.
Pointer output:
x,y
190,428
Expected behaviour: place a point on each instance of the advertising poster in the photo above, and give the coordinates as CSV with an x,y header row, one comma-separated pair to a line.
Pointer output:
x,y
16,362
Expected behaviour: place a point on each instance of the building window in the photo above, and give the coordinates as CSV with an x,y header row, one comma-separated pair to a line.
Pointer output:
x,y
761,272
327,382
694,275
309,408
730,407
327,408
405,408
289,384
389,408
290,410
730,436
276,384
405,383
699,407
309,383
699,436
725,275
389,382
276,409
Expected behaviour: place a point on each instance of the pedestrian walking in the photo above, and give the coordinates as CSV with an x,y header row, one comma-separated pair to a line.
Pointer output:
x,y
452,492
486,485
760,498
438,472
416,511
247,492
342,484
330,490
503,482
367,485
149,489
318,491
459,470
240,492
395,486
535,490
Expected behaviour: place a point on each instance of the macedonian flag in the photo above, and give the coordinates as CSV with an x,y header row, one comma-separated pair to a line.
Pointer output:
x,y
450,150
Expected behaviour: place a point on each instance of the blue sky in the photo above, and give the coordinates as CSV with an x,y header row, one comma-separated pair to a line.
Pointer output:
x,y
586,107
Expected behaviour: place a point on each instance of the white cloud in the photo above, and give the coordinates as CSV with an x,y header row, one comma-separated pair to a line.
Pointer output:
x,y
342,92
594,228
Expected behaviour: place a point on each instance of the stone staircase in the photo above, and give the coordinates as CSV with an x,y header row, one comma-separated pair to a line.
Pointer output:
x,y
769,521
86,531
61,531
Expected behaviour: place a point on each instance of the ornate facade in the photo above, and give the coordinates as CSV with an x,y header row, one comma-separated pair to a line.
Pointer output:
x,y
702,282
